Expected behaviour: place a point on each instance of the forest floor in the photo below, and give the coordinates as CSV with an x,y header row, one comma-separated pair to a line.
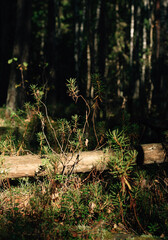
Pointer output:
x,y
20,210
15,209
80,206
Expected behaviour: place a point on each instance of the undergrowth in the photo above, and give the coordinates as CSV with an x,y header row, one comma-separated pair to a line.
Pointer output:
x,y
64,205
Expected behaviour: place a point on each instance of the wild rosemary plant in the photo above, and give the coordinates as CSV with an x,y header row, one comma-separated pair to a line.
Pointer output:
x,y
122,159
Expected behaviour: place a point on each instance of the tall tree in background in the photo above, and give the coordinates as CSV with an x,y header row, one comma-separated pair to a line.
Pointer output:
x,y
94,21
159,100
134,82
132,29
7,26
89,49
51,49
151,27
124,41
78,31
164,59
102,49
16,96
144,58
156,70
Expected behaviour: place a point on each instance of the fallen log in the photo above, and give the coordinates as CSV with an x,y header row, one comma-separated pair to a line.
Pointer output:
x,y
28,165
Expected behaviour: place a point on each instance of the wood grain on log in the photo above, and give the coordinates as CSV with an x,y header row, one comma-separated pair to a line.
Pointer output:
x,y
28,165
154,153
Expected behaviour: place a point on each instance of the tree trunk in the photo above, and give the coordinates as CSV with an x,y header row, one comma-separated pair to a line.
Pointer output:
x,y
157,68
150,91
16,96
157,29
102,38
136,66
134,85
93,20
89,58
132,34
76,36
7,26
51,51
144,62
88,87
117,58
163,60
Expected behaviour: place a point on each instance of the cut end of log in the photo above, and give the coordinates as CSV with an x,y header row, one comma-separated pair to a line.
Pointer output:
x,y
151,153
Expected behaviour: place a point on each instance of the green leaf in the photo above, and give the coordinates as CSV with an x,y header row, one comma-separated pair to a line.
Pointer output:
x,y
10,61
15,59
15,208
25,64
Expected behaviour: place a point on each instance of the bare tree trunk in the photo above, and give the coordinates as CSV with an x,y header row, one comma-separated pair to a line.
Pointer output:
x,y
57,18
143,94
94,16
144,47
88,88
117,60
132,34
135,70
164,58
90,51
158,28
7,26
76,36
102,46
16,96
151,86
51,51
157,69
133,95
96,35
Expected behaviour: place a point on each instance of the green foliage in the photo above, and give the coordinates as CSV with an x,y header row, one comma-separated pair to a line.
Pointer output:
x,y
151,199
79,207
12,60
20,66
72,88
8,145
92,107
71,204
122,159
38,93
12,133
98,87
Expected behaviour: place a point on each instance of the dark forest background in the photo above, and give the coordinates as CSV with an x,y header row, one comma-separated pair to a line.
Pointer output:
x,y
124,43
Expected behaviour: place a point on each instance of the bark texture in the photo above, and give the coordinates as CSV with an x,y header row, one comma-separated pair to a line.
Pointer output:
x,y
16,96
29,165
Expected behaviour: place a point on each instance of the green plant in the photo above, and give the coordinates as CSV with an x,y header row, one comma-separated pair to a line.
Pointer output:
x,y
92,107
8,146
59,140
97,100
22,67
121,166
77,206
69,137
74,93
151,199
19,131
123,158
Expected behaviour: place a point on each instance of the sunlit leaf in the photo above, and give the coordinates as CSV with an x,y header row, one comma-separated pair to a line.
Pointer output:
x,y
25,64
10,61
